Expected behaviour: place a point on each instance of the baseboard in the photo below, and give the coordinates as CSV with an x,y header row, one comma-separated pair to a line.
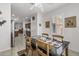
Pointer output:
x,y
73,51
5,49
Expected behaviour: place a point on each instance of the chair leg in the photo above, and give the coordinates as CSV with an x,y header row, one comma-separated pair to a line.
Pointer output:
x,y
27,50
32,52
66,51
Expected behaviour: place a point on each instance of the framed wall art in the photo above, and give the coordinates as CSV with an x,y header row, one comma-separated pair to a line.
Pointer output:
x,y
47,24
70,22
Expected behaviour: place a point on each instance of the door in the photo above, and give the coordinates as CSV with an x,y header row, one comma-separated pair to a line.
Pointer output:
x,y
12,33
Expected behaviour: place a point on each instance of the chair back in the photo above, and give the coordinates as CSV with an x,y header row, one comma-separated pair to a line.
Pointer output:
x,y
58,37
42,48
45,34
28,42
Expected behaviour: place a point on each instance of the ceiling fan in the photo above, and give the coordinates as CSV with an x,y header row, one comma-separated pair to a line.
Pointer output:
x,y
37,6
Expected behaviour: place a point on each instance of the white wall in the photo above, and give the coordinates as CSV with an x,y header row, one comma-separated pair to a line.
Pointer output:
x,y
34,26
47,30
5,29
39,21
70,34
36,29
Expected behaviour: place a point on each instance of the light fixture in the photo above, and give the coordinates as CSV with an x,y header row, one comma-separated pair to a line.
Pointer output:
x,y
14,18
38,6
0,12
13,15
2,21
26,17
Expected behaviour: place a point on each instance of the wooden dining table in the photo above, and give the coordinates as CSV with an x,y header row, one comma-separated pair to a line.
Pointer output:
x,y
64,44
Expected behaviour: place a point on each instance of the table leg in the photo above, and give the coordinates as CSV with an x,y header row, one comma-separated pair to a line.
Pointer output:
x,y
66,51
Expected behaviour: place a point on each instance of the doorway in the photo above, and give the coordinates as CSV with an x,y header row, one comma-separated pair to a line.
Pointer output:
x,y
12,34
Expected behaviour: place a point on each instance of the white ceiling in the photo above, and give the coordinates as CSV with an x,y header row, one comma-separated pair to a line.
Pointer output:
x,y
22,10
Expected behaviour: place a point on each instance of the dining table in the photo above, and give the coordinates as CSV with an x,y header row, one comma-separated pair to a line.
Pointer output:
x,y
57,48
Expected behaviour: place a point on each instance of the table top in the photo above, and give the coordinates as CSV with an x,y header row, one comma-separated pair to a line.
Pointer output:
x,y
60,47
64,43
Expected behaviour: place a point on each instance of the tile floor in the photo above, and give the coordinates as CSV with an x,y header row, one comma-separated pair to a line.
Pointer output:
x,y
20,45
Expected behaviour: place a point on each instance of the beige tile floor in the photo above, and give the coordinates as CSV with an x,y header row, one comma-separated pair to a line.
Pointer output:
x,y
20,45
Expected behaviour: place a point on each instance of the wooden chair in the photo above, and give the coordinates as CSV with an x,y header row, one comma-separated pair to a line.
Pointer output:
x,y
59,37
28,41
45,34
42,48
28,44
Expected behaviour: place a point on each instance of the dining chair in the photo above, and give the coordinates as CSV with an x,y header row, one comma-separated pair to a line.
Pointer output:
x,y
58,37
45,34
42,48
28,44
58,49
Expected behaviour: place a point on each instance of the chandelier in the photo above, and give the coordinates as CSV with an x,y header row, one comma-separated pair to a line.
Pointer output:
x,y
38,6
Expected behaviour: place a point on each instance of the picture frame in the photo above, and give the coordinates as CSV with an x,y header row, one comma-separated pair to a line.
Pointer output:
x,y
47,24
70,22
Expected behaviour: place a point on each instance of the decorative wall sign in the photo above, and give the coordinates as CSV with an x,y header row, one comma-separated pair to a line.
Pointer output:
x,y
70,22
47,24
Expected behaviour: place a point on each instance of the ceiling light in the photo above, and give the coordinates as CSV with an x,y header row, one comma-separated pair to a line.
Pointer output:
x,y
13,15
38,6
0,12
26,17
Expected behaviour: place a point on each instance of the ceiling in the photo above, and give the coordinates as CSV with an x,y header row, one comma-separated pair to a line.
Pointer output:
x,y
22,10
